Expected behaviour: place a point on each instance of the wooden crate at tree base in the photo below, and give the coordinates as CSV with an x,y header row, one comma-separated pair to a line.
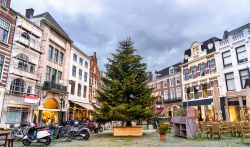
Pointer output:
x,y
128,131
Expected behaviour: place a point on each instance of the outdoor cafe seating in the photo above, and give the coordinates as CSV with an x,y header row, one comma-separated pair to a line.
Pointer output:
x,y
223,128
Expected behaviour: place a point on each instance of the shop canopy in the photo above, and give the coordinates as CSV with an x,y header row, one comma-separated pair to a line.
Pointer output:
x,y
84,105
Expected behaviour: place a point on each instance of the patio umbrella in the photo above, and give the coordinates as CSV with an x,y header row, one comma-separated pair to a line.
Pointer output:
x,y
216,101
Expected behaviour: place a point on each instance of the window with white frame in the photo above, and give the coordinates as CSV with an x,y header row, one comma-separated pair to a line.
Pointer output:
x,y
165,95
178,92
86,64
80,61
177,80
212,66
159,85
85,76
230,81
50,52
60,58
17,87
171,82
172,93
56,53
4,3
75,57
74,71
166,83
226,56
241,54
243,77
4,30
186,74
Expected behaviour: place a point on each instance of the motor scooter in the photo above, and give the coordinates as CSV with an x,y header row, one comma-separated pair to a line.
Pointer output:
x,y
78,131
37,135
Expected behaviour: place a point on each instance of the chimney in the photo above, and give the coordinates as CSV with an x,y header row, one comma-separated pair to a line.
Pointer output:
x,y
29,13
225,35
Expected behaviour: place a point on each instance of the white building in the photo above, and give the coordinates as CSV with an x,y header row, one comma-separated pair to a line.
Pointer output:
x,y
21,95
78,89
232,55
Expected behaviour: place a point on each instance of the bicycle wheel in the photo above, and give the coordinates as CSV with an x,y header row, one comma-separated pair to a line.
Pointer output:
x,y
63,136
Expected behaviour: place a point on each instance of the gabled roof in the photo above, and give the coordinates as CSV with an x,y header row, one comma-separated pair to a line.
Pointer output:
x,y
51,20
204,46
165,72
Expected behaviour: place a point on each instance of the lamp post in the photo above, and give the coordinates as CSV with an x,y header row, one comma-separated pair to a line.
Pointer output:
x,y
61,105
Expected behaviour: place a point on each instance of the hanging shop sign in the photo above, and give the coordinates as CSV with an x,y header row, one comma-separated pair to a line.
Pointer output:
x,y
31,99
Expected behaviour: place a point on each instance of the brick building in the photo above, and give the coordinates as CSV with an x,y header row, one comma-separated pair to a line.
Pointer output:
x,y
167,87
7,28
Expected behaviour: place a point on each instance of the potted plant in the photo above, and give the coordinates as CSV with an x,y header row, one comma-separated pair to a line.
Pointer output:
x,y
163,131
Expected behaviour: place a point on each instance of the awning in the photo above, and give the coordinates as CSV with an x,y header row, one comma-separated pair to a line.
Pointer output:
x,y
84,105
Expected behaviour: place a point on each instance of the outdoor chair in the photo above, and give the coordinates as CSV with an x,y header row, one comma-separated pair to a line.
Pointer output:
x,y
204,129
216,130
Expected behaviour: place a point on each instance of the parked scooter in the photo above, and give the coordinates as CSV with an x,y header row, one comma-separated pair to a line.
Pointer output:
x,y
37,135
93,127
78,131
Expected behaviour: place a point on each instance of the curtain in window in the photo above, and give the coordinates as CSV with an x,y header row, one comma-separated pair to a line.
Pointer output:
x,y
14,117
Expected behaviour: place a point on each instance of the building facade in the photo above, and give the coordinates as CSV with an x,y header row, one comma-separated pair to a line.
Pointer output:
x,y
199,73
55,62
94,79
167,86
21,97
233,53
7,28
79,106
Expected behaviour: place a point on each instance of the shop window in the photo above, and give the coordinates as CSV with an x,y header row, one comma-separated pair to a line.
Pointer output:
x,y
230,81
1,65
17,87
226,56
241,54
4,30
243,77
196,95
14,117
204,91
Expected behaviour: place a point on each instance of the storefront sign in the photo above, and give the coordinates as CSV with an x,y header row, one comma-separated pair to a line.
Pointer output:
x,y
31,99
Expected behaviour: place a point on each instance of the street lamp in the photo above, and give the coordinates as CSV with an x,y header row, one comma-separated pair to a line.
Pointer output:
x,y
61,106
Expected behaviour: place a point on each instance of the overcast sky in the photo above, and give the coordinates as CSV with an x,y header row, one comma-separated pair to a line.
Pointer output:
x,y
161,29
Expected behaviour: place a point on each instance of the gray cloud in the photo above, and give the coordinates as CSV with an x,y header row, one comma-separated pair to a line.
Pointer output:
x,y
161,29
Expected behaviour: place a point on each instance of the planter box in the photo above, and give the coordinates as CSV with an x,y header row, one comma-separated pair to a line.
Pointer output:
x,y
128,131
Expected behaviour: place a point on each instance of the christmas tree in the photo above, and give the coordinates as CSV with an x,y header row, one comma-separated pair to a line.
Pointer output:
x,y
126,96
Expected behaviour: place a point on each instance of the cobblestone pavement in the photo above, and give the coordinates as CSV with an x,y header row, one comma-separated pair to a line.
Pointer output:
x,y
149,139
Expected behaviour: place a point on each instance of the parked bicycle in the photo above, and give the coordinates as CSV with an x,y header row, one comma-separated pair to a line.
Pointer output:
x,y
19,132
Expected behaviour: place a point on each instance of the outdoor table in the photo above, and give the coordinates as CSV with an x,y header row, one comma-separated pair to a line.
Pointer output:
x,y
5,141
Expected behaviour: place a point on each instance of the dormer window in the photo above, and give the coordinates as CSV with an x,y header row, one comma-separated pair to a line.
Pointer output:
x,y
172,70
195,48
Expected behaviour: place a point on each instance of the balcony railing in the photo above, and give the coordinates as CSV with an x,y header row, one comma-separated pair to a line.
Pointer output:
x,y
55,87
